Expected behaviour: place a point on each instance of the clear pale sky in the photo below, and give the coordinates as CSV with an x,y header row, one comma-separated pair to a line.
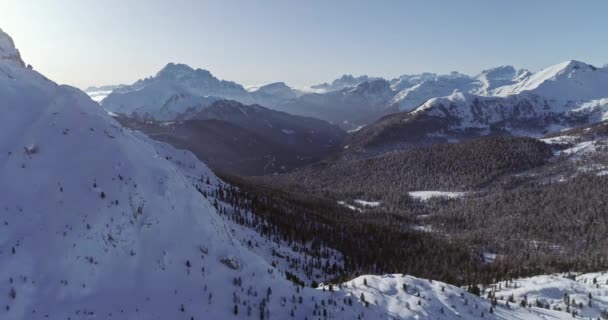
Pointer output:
x,y
84,43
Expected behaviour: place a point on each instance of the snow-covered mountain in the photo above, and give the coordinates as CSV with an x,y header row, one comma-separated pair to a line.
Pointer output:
x,y
500,101
411,97
100,221
407,81
491,79
412,91
178,87
349,108
345,81
171,91
570,81
273,93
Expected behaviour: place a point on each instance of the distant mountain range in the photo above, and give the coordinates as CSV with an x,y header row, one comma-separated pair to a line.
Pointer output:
x,y
559,97
353,102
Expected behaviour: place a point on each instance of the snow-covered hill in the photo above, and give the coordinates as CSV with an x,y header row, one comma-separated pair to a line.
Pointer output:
x,y
102,222
583,296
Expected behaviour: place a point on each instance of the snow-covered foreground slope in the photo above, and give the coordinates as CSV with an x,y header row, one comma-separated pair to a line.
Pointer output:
x,y
406,297
585,295
101,222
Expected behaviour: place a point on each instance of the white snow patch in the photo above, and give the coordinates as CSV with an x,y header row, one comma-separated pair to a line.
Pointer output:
x,y
371,204
426,195
349,206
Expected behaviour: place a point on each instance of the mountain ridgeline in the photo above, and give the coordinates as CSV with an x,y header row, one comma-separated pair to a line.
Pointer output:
x,y
246,140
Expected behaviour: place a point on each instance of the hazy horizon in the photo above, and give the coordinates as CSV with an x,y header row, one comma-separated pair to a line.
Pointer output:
x,y
114,42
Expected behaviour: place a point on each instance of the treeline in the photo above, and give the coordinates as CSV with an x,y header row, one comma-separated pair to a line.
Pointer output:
x,y
379,241
371,242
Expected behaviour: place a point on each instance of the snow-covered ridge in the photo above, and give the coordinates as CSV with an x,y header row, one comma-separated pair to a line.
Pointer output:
x,y
8,51
567,81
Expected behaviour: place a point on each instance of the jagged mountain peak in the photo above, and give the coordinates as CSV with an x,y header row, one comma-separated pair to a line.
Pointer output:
x,y
373,86
175,71
501,72
346,80
8,51
566,68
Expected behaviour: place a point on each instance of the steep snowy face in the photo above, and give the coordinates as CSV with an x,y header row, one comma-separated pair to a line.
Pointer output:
x,y
97,220
376,91
407,81
523,114
8,52
497,77
410,98
100,221
567,81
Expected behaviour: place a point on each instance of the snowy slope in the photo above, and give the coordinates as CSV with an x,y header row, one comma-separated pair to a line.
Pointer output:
x,y
409,80
101,222
416,90
412,97
406,297
586,295
490,79
567,81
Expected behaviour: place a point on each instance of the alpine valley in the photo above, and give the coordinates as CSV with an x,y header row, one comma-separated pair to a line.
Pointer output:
x,y
185,196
